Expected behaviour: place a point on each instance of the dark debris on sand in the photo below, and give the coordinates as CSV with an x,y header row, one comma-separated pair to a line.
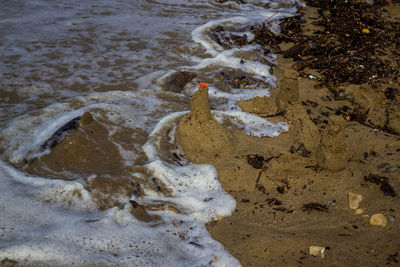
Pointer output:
x,y
382,182
314,206
355,45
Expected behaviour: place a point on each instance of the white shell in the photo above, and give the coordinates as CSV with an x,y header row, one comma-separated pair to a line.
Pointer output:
x,y
317,251
378,219
354,200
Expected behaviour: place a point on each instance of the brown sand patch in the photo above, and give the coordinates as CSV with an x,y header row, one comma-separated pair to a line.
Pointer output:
x,y
88,152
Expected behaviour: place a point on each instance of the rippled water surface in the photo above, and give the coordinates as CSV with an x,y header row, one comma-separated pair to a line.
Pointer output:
x,y
60,59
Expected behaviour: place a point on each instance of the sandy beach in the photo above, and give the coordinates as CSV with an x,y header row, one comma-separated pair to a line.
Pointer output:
x,y
159,153
292,191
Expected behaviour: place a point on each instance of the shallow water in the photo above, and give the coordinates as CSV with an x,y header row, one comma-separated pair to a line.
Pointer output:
x,y
63,58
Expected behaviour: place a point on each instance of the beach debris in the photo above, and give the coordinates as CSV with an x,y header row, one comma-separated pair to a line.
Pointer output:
x,y
216,218
273,201
383,183
284,187
235,1
332,203
255,160
196,245
393,258
213,260
59,135
314,206
391,93
303,64
203,85
140,212
378,220
154,207
276,114
343,51
261,188
283,209
392,219
359,211
354,200
340,95
392,169
293,51
317,251
383,165
227,39
270,17
176,81
161,207
258,161
8,262
366,31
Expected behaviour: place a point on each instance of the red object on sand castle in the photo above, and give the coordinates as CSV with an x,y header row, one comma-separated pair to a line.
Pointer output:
x,y
203,85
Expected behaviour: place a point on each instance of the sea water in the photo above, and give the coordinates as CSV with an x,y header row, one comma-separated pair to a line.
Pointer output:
x,y
60,59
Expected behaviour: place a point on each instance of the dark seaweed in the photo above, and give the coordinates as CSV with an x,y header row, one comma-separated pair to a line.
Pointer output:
x,y
314,206
355,45
383,183
59,135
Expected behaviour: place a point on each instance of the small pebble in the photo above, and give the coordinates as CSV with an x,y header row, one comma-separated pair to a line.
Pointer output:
x,y
317,251
378,220
359,211
354,200
383,165
392,169
392,219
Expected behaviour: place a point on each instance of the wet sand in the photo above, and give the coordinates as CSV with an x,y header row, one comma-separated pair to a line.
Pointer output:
x,y
292,190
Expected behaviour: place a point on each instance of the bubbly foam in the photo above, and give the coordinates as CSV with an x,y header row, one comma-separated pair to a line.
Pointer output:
x,y
40,233
251,124
70,223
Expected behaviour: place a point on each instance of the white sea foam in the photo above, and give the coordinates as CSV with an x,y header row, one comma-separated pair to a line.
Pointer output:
x,y
230,58
251,124
70,223
38,233
226,59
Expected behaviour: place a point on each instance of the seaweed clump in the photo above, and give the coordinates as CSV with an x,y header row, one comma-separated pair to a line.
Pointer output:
x,y
354,44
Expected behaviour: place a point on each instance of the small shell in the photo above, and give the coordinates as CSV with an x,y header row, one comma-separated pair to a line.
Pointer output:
x,y
354,200
378,219
359,211
316,251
